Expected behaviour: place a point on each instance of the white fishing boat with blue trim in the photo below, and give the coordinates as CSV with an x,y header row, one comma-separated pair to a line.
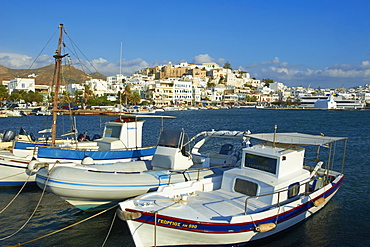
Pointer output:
x,y
277,186
121,142
99,186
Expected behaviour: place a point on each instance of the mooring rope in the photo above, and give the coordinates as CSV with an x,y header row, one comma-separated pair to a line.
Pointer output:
x,y
12,175
24,185
65,228
110,229
34,211
28,220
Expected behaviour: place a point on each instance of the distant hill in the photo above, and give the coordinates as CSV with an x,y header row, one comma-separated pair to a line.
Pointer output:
x,y
44,75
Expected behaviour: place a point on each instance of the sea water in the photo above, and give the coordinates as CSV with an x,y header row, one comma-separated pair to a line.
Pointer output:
x,y
342,222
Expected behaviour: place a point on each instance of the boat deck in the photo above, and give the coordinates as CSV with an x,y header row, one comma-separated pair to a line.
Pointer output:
x,y
219,205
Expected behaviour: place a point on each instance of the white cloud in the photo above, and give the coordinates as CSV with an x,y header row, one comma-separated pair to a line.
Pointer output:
x,y
20,61
203,58
336,75
275,60
290,74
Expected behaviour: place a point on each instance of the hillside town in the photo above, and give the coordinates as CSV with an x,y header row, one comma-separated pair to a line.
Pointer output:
x,y
188,85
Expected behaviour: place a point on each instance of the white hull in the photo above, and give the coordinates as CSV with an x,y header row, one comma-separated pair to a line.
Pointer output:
x,y
275,188
162,235
14,170
91,190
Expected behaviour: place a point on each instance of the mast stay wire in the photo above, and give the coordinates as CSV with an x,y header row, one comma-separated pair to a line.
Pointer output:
x,y
74,46
38,55
74,52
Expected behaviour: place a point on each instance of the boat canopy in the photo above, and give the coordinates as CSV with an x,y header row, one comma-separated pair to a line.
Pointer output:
x,y
296,138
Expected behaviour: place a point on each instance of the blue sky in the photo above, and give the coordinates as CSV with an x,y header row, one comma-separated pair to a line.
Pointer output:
x,y
299,43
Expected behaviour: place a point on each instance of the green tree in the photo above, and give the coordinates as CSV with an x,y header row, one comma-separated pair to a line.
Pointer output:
x,y
87,94
227,65
78,96
32,96
3,92
267,81
17,95
99,100
66,97
135,98
126,94
252,98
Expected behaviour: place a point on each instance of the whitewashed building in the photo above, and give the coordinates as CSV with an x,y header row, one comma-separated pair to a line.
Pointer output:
x,y
27,84
73,87
183,92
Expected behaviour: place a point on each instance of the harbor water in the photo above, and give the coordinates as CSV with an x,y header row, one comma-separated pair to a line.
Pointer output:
x,y
342,222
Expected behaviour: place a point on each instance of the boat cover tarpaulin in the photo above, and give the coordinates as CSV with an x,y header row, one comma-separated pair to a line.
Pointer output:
x,y
71,154
296,138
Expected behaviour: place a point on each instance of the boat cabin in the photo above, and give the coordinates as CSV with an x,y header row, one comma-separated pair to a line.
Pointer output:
x,y
268,168
171,153
122,133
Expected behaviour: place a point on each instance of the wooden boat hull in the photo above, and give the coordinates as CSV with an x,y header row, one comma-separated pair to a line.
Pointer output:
x,y
159,230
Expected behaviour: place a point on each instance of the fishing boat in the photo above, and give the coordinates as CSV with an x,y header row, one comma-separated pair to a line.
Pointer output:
x,y
99,186
277,186
121,141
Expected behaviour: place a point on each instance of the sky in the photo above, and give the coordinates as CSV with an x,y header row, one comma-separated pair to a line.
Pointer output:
x,y
316,43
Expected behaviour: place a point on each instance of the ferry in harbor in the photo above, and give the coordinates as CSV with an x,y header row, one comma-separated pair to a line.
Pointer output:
x,y
340,102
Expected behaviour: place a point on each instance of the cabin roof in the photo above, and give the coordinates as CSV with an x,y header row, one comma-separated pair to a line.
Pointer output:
x,y
296,138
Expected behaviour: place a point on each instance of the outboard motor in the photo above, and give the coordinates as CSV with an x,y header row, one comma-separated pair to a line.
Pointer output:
x,y
9,135
96,136
33,138
81,137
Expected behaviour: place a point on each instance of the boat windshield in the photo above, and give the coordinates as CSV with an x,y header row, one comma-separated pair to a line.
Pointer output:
x,y
171,138
261,163
112,131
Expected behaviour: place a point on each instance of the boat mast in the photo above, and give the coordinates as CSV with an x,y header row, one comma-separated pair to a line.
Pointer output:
x,y
58,63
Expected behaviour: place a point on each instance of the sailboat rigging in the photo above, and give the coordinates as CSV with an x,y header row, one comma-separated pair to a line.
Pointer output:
x,y
58,62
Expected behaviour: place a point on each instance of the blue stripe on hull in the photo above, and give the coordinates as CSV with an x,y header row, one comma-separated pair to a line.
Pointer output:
x,y
15,183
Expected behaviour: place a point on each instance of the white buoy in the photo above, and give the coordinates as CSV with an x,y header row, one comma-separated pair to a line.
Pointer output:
x,y
33,166
87,161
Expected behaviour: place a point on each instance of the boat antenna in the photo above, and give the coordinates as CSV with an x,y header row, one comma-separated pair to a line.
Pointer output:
x,y
273,143
58,63
120,60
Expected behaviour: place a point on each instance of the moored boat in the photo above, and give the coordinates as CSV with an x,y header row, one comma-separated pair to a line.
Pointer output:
x,y
277,186
121,141
98,186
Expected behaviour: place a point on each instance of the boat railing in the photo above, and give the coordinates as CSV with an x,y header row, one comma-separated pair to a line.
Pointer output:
x,y
293,189
198,170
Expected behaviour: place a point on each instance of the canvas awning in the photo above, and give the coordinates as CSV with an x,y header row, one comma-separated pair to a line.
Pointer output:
x,y
296,138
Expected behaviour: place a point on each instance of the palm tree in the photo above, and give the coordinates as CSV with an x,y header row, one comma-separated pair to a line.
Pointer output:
x,y
135,98
127,94
87,94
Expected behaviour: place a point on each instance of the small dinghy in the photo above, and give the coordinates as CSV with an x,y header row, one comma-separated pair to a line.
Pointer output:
x,y
99,186
277,186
